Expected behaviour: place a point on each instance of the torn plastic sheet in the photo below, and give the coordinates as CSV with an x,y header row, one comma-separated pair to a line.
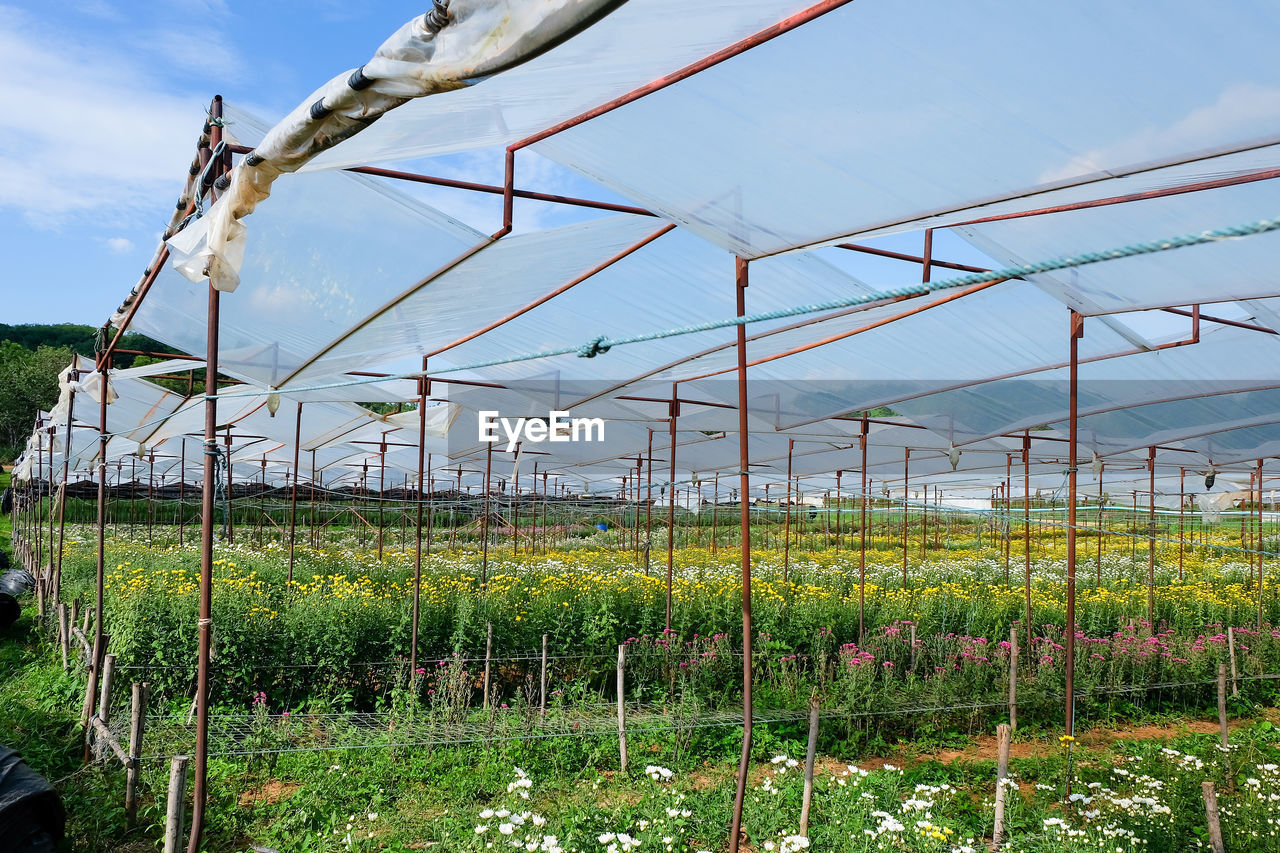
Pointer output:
x,y
452,46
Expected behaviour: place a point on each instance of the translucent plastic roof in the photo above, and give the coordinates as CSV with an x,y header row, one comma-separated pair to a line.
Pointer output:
x,y
860,122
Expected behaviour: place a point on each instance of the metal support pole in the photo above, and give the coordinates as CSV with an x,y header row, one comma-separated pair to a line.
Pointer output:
x,y
862,536
1026,526
205,620
417,550
484,522
293,498
786,523
1182,499
1076,333
62,504
838,473
906,462
671,499
182,491
648,504
1151,538
382,489
744,481
100,573
715,504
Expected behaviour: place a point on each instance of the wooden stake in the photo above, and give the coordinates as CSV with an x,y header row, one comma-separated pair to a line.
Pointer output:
x,y
137,721
913,647
488,657
622,710
99,650
809,756
543,691
177,807
1211,814
1231,648
104,695
1003,734
64,635
1222,703
1013,679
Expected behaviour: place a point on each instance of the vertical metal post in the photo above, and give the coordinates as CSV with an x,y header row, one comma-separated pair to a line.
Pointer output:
x,y
205,619
1076,333
1182,500
293,498
648,504
838,473
1026,525
671,498
182,491
417,549
715,505
103,369
62,504
382,488
906,462
862,536
786,523
231,521
1102,526
744,481
1258,545
1151,538
484,522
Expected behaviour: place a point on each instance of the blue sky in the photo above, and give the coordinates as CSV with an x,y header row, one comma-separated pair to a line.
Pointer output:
x,y
100,105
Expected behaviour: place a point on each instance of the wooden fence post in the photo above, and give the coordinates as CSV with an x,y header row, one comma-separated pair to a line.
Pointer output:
x,y
104,703
542,712
177,807
1231,649
488,657
1013,679
1003,735
622,711
1222,703
1211,814
913,647
95,661
809,756
64,635
137,722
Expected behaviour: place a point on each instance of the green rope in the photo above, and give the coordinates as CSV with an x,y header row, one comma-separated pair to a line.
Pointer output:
x,y
601,344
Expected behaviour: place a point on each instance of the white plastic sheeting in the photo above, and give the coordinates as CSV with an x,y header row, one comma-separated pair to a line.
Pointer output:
x,y
456,44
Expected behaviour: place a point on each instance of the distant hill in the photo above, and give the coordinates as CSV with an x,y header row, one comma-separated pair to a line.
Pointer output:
x,y
74,336
31,355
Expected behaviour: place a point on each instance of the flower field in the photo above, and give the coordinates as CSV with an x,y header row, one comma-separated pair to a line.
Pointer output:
x,y
302,670
345,621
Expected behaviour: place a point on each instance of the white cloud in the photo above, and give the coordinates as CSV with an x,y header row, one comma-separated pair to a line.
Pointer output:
x,y
1242,112
86,131
119,245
